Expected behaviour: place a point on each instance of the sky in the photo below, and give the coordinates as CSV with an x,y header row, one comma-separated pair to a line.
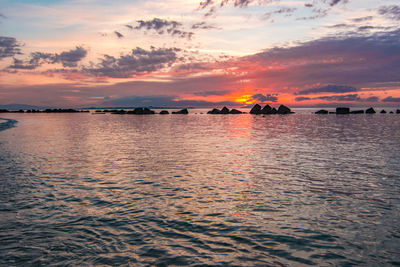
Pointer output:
x,y
210,53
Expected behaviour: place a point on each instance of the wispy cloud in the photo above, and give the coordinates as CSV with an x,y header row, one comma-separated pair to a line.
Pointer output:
x,y
118,34
391,12
391,99
340,98
329,89
162,26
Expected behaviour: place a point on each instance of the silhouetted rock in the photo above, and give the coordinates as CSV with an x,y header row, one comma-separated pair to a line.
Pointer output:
x,y
274,111
398,111
214,111
182,111
284,110
357,112
224,110
141,111
332,112
266,110
69,110
164,112
256,109
322,111
370,111
118,112
342,110
383,111
4,110
391,112
235,111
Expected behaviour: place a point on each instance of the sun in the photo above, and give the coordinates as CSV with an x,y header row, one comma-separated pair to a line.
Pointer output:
x,y
243,99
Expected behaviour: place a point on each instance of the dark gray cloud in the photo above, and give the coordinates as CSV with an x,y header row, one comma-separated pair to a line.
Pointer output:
x,y
162,26
162,101
9,47
391,12
137,62
69,58
118,34
335,2
308,5
362,19
329,89
265,98
340,98
319,13
391,99
203,25
208,93
130,27
2,16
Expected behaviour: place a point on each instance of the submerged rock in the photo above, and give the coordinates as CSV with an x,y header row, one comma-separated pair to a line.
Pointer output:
x,y
357,112
164,112
370,111
342,110
256,109
235,111
182,111
322,111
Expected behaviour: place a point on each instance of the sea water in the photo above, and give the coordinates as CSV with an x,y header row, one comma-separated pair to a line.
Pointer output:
x,y
198,190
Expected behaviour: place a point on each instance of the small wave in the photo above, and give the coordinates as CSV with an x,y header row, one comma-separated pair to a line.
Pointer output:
x,y
9,123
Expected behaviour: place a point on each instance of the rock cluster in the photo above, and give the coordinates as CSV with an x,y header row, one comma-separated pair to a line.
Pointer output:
x,y
345,110
182,111
267,110
224,110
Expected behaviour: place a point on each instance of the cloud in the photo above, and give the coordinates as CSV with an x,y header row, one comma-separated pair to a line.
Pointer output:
x,y
265,98
391,12
67,59
9,47
391,99
335,2
162,26
203,25
129,26
162,101
118,34
362,19
139,61
284,10
208,93
329,89
340,98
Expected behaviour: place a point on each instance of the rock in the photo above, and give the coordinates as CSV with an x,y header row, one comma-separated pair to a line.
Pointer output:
x,y
383,111
214,111
4,110
274,111
342,110
284,110
266,110
141,111
357,112
235,111
182,111
163,112
370,111
224,110
322,111
391,112
256,109
118,111
398,111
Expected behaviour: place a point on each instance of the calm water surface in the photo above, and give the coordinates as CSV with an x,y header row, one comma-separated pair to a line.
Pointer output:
x,y
197,189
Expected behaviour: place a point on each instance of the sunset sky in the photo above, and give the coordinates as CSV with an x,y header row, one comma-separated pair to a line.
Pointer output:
x,y
82,53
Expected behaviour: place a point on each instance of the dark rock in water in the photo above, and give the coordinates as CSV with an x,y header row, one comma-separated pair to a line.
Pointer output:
x,y
141,111
182,111
391,112
332,112
370,111
118,111
163,112
224,110
322,111
284,110
274,111
266,110
342,110
235,111
256,109
383,111
4,110
357,112
398,111
214,111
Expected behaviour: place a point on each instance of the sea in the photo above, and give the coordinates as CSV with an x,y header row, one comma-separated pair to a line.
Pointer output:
x,y
199,189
